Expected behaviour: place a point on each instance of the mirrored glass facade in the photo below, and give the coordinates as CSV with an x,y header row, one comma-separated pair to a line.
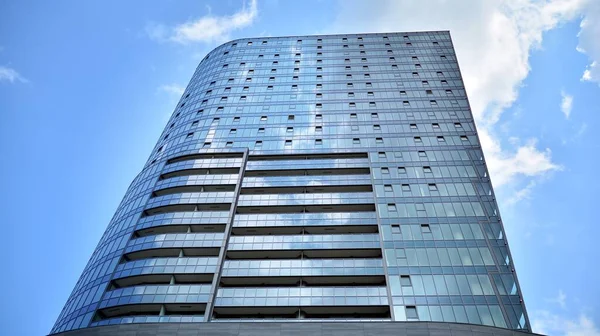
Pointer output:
x,y
310,178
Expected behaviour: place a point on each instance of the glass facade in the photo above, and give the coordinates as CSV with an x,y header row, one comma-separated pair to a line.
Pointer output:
x,y
310,178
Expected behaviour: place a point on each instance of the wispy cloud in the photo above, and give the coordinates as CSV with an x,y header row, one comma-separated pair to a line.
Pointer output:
x,y
545,322
589,43
172,89
208,28
560,299
11,75
566,104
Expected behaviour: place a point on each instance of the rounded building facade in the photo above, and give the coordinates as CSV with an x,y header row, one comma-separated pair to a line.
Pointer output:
x,y
313,179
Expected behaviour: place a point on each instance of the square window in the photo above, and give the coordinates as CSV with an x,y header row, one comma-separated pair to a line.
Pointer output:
x,y
229,144
291,117
427,169
319,86
417,139
391,207
385,170
405,281
370,94
441,139
381,155
401,170
374,116
444,82
425,83
422,154
367,76
406,103
294,87
457,125
432,187
363,59
372,104
258,144
263,118
189,135
415,74
319,116
350,94
288,143
354,127
206,145
319,105
349,85
435,126
195,123
418,66
261,130
379,140
290,130
464,138
433,102
387,187
353,115
319,95
233,131
377,127
406,187
318,128
318,142
440,74
413,126
356,141
369,84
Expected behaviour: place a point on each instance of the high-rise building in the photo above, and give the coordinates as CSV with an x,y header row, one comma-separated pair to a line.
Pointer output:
x,y
309,179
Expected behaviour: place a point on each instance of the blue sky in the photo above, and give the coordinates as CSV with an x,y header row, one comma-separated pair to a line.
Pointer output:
x,y
86,88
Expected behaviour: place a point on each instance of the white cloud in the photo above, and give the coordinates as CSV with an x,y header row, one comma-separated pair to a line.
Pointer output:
x,y
561,299
547,323
172,89
566,104
589,43
208,28
11,75
493,40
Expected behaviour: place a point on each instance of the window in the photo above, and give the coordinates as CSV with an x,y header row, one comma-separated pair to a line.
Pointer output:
x,y
348,76
394,66
319,95
246,88
425,228
261,130
391,207
258,144
441,139
425,83
392,58
200,111
276,55
385,170
435,43
433,102
270,87
413,126
372,104
405,281
387,188
242,64
464,138
370,94
189,135
350,94
363,59
377,127
457,125
401,170
374,116
369,84
241,98
318,69
272,71
319,40
273,78
233,131
353,115
379,140
230,80
291,117
435,126
214,122
229,144
406,187
415,74
422,154
319,116
418,66
206,145
319,105
263,118
288,143
344,39
349,85
417,139
195,123
403,93
432,187
250,43
427,169
347,60
449,93
406,103
408,44
356,141
345,46
318,142
440,74
381,155
248,79
444,82
294,87
367,76
319,86
318,129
